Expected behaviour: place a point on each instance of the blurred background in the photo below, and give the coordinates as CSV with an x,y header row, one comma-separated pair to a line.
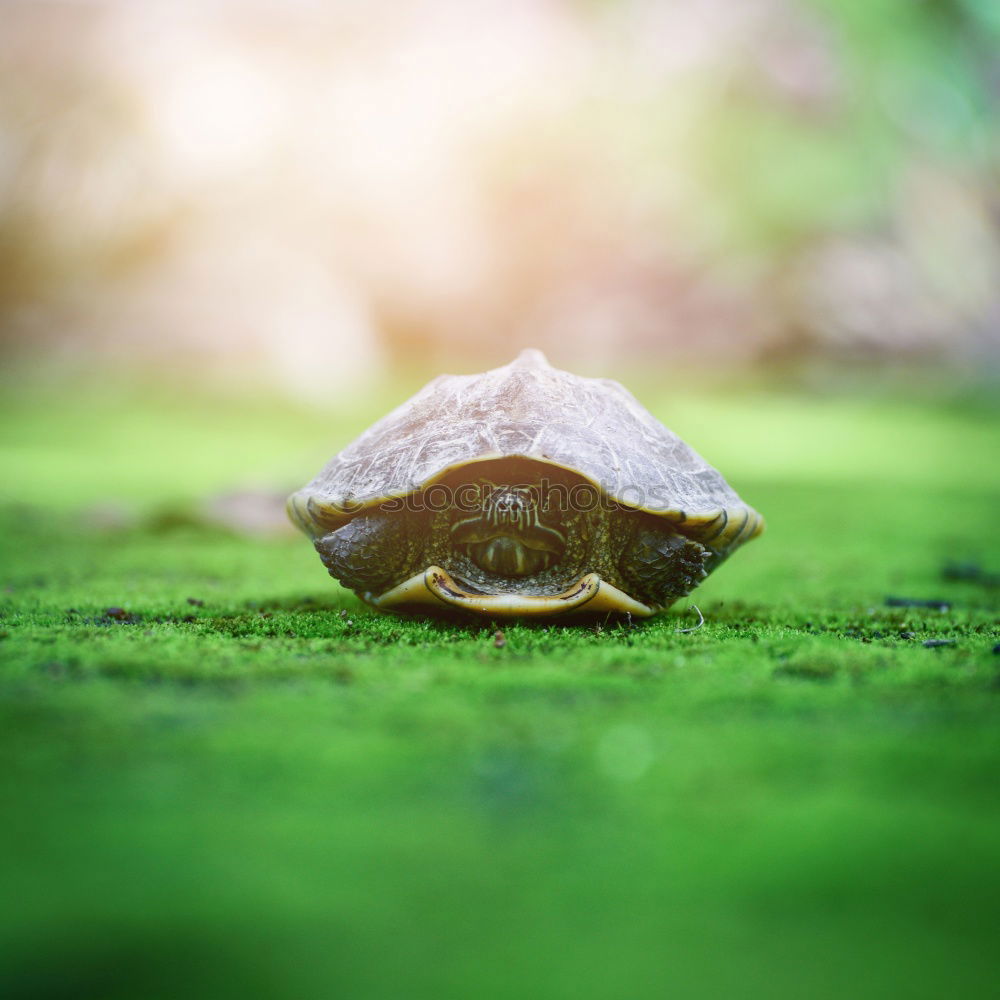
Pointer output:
x,y
233,233
306,196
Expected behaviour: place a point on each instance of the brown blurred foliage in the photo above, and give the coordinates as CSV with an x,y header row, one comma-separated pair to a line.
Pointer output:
x,y
303,193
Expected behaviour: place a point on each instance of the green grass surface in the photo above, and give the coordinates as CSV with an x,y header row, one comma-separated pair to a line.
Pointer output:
x,y
278,793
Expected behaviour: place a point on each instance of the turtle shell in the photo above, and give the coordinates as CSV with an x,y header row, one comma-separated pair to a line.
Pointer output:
x,y
528,409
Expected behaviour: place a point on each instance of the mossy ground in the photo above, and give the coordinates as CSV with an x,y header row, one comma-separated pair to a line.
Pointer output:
x,y
275,792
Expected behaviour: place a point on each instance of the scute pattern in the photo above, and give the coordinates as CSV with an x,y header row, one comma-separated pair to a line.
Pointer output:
x,y
528,408
363,554
661,566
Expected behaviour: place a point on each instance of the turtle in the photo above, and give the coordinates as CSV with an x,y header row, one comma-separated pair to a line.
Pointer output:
x,y
521,492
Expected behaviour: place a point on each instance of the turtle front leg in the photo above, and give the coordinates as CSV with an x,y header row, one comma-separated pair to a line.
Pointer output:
x,y
370,553
659,565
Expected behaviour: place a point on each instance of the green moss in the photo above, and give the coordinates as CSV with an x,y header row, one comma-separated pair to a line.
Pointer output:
x,y
274,791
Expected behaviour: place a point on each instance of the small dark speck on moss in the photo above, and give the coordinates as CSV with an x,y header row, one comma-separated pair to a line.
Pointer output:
x,y
116,614
917,602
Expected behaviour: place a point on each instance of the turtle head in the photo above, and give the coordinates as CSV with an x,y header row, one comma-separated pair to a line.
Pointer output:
x,y
510,532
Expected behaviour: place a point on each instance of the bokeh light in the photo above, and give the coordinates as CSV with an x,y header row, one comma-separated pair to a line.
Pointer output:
x,y
303,195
